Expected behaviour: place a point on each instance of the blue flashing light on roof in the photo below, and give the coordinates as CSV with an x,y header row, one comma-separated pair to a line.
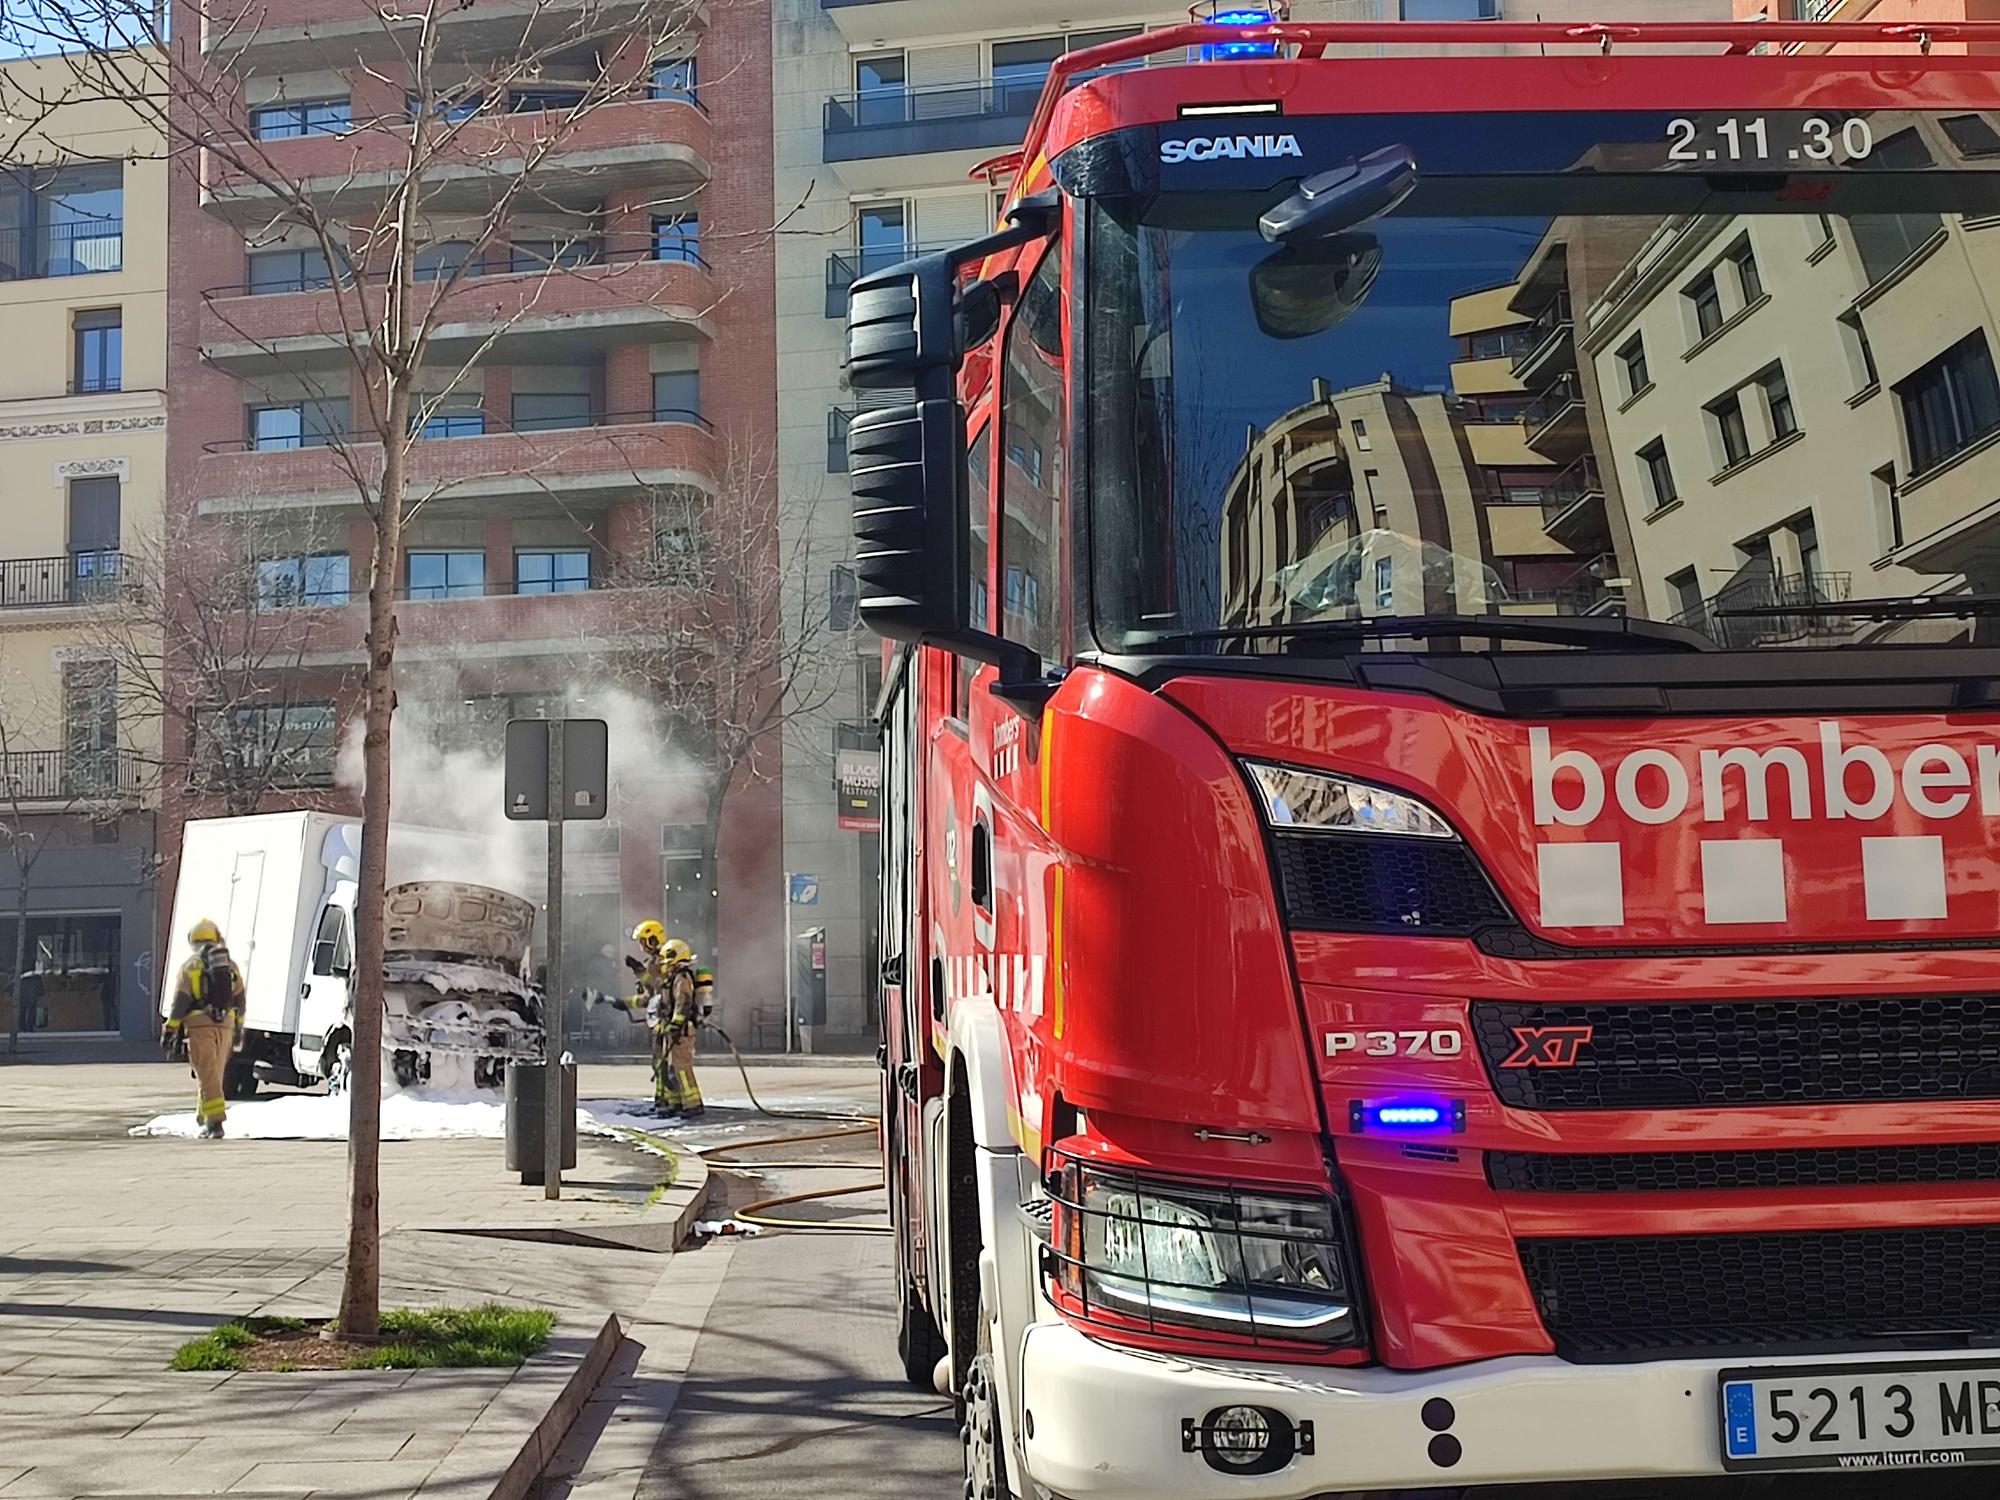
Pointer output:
x,y
1239,16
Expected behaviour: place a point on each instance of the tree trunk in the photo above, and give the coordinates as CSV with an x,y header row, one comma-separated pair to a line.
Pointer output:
x,y
20,959
361,1290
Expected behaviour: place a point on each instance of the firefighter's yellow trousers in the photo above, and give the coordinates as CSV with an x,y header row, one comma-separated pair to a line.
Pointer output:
x,y
208,1044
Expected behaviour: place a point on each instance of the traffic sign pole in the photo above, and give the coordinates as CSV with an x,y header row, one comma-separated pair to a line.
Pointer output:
x,y
790,1026
555,1129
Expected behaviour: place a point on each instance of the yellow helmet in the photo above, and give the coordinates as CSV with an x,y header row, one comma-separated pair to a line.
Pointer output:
x,y
677,951
649,932
204,931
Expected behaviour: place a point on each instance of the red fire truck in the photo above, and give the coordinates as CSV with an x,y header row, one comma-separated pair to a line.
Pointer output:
x,y
1441,923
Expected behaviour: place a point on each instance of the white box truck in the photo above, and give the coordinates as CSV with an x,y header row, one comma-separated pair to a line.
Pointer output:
x,y
459,990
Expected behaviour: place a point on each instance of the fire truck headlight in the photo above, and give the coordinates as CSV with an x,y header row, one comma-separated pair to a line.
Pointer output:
x,y
1176,1256
1316,802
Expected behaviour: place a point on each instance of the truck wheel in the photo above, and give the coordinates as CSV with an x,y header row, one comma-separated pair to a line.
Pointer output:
x,y
917,1338
985,1441
239,1080
337,1063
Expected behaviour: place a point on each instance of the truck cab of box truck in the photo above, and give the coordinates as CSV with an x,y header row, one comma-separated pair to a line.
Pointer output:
x,y
1441,766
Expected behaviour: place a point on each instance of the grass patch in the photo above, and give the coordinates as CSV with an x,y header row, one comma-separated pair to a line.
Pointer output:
x,y
488,1336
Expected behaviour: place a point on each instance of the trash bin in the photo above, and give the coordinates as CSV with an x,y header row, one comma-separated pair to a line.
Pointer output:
x,y
526,1094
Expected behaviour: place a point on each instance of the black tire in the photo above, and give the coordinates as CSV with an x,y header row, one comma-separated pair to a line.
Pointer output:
x,y
239,1079
918,1341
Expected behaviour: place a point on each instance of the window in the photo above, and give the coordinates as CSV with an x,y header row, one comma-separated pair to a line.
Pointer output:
x,y
1034,431
678,239
979,502
674,78
286,745
677,396
1860,355
1706,298
541,255
1687,595
333,946
1493,345
551,411
447,575
843,598
1361,441
95,522
882,235
315,581
64,223
1888,507
1021,68
1748,279
1778,402
99,344
677,542
288,271
1729,430
1632,361
447,109
837,423
1973,135
438,262
1950,403
1659,474
1451,10
1805,536
458,415
563,570
90,724
522,101
1886,241
1385,583
298,424
286,121
881,95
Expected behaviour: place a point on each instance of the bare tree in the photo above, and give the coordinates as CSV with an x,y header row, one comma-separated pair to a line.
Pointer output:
x,y
724,623
210,636
54,779
486,110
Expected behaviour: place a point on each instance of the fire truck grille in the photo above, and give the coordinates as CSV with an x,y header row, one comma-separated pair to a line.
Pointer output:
x,y
1616,1298
1358,883
1723,1053
1688,1171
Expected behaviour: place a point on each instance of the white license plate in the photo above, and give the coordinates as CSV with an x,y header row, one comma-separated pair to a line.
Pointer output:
x,y
1921,1416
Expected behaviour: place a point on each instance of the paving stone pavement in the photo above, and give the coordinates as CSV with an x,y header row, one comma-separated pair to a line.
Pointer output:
x,y
114,1250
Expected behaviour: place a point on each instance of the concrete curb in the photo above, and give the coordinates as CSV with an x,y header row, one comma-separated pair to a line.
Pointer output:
x,y
489,1462
660,1229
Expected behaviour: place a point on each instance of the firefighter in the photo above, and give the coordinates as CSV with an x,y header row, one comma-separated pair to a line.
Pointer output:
x,y
692,989
652,1007
207,1020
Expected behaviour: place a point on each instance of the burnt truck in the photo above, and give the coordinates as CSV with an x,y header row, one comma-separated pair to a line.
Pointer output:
x,y
459,987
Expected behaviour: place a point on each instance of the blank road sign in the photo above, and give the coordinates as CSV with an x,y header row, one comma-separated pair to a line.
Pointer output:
x,y
586,769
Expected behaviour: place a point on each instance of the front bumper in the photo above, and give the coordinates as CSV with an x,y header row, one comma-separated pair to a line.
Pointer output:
x,y
1107,1421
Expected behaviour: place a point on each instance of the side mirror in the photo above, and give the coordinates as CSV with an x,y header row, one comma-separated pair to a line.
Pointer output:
x,y
1302,290
343,971
909,328
1350,195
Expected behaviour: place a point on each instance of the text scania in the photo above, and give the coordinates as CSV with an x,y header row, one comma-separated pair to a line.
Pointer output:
x,y
1229,147
1832,780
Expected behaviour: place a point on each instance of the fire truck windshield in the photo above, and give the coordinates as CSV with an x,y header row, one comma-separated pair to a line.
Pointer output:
x,y
1757,422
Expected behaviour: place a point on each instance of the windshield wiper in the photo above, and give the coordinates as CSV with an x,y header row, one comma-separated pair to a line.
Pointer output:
x,y
1609,633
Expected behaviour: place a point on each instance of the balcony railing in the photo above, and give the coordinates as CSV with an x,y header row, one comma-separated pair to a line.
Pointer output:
x,y
80,249
674,249
1543,336
1582,592
1578,485
845,267
837,422
1768,597
1560,400
460,424
66,776
948,117
43,582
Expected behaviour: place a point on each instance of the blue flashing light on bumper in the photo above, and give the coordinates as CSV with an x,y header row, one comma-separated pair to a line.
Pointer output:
x,y
1406,1116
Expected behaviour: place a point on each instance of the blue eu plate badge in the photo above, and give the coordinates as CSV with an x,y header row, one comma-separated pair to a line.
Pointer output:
x,y
1739,1419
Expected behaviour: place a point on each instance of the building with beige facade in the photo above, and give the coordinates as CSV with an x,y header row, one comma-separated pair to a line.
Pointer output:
x,y
83,414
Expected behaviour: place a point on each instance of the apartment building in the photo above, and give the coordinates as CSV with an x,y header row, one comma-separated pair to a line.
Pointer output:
x,y
83,412
582,430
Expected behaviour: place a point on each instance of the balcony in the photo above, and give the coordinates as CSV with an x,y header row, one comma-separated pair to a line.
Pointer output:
x,y
663,145
1547,345
70,581
845,267
1554,422
79,249
616,456
877,123
1750,612
507,316
1573,506
484,623
280,36
1584,592
65,778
